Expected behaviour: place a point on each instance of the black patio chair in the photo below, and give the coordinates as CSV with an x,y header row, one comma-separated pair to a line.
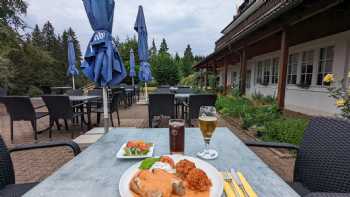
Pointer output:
x,y
160,105
3,92
322,166
113,106
124,97
60,107
8,186
194,104
20,108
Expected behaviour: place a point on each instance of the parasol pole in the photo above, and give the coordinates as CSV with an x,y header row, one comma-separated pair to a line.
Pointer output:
x,y
132,80
105,110
73,82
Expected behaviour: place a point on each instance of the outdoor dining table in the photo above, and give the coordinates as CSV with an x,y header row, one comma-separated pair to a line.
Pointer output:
x,y
96,171
86,99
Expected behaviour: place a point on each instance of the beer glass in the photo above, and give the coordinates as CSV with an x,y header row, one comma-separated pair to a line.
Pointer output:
x,y
207,124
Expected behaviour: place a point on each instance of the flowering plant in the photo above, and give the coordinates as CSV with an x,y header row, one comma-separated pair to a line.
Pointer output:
x,y
341,94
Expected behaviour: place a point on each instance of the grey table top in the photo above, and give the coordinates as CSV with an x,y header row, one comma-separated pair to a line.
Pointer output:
x,y
82,98
96,171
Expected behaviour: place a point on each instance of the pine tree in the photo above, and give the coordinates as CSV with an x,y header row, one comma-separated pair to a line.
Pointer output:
x,y
49,37
153,50
163,47
11,12
37,37
188,61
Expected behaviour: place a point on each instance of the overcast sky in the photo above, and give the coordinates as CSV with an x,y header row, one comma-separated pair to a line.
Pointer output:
x,y
181,22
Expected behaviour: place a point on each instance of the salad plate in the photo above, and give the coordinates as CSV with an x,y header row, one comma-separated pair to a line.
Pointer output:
x,y
136,149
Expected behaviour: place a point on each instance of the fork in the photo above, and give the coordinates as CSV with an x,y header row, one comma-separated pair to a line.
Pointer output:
x,y
228,178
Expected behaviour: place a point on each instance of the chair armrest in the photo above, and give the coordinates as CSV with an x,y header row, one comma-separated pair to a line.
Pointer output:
x,y
325,194
271,145
74,146
41,106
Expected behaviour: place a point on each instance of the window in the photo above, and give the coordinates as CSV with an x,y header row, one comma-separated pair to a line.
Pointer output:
x,y
266,72
307,67
234,79
292,68
274,78
259,72
248,77
325,63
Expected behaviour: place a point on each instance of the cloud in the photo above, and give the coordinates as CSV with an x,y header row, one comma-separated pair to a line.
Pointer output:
x,y
181,22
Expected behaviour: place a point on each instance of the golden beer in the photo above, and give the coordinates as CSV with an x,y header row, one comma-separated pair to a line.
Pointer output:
x,y
207,124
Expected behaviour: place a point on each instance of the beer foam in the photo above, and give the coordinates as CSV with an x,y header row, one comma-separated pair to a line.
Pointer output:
x,y
208,118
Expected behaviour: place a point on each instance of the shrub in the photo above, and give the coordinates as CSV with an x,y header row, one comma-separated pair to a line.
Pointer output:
x,y
263,100
288,130
34,91
259,115
232,106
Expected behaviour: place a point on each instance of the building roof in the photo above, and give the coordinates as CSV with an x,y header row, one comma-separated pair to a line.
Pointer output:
x,y
259,13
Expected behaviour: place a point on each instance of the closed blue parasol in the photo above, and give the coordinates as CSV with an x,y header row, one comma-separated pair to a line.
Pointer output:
x,y
102,63
141,29
132,66
72,70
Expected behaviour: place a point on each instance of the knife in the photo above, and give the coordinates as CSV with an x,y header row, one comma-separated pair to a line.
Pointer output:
x,y
238,181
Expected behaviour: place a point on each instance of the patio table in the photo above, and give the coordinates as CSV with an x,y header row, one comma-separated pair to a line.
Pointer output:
x,y
80,99
96,171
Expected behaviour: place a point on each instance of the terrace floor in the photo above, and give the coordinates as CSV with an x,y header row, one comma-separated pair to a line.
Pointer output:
x,y
36,165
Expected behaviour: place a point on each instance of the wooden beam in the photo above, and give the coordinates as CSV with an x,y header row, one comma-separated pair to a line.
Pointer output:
x,y
226,70
243,72
215,74
283,70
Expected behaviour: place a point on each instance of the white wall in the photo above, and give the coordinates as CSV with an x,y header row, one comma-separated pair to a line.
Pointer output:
x,y
314,100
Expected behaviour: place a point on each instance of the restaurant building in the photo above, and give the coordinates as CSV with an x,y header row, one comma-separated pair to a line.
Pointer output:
x,y
284,48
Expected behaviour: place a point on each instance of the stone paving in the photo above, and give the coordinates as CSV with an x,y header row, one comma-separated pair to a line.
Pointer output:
x,y
31,166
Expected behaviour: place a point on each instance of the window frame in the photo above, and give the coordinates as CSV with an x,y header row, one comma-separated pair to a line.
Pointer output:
x,y
322,63
234,78
307,61
266,72
275,70
292,69
259,72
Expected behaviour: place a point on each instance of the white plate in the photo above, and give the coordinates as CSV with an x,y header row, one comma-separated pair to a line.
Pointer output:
x,y
214,175
121,152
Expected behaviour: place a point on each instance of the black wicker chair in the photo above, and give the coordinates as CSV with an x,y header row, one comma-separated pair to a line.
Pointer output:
x,y
194,104
8,188
322,166
160,105
60,107
113,106
20,108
